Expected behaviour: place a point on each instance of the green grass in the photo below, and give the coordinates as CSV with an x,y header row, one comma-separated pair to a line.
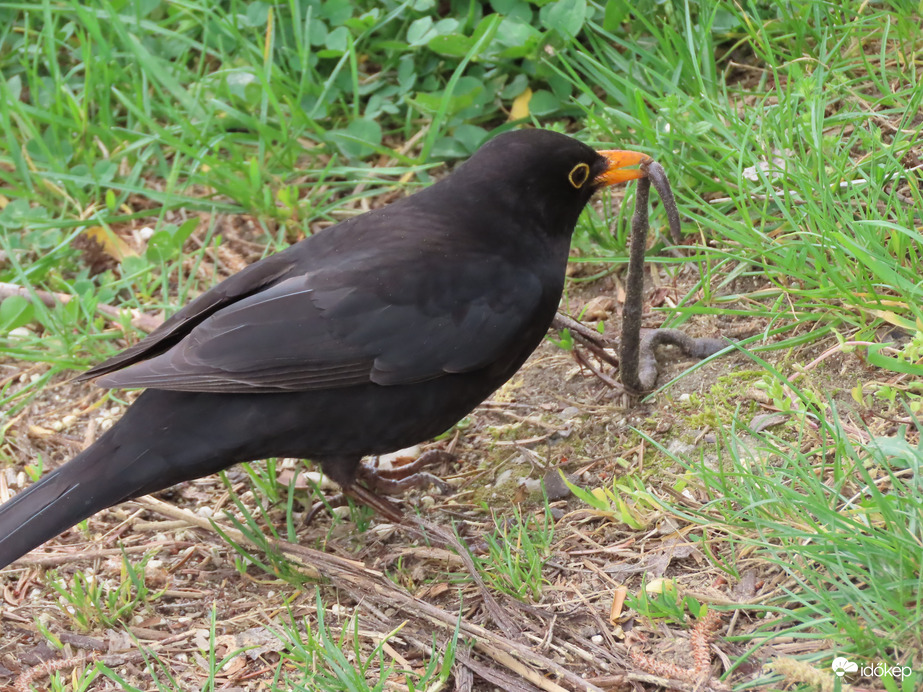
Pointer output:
x,y
846,532
516,554
791,135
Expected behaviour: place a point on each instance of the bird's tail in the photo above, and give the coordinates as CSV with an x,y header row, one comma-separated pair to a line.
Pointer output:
x,y
64,497
164,438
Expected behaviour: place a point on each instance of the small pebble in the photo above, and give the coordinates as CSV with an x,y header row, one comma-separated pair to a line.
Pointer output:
x,y
555,486
382,530
313,478
340,512
146,233
533,485
569,412
597,639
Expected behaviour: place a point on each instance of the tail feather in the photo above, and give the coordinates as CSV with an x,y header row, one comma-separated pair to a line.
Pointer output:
x,y
56,502
163,439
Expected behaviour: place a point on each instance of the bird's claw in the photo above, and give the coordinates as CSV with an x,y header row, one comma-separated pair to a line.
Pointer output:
x,y
387,482
406,476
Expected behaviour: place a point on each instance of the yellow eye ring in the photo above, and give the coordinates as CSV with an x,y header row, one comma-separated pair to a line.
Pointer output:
x,y
578,175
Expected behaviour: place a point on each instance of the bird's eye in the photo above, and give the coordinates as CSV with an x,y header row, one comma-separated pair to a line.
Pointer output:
x,y
578,175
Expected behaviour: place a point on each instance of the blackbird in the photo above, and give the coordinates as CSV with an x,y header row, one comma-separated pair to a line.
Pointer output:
x,y
375,334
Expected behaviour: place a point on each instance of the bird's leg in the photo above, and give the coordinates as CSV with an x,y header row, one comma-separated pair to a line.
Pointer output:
x,y
396,480
347,471
381,505
638,365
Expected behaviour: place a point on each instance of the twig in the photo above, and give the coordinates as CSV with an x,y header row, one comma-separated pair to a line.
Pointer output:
x,y
59,559
365,583
141,320
450,539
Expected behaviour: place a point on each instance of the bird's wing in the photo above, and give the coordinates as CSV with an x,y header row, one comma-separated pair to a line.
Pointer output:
x,y
246,282
333,328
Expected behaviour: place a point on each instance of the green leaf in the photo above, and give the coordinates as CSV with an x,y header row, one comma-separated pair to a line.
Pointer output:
x,y
338,39
15,311
517,9
317,32
466,94
336,11
451,45
256,15
354,141
725,22
161,247
544,103
565,16
181,234
445,26
594,501
448,148
420,31
517,34
616,13
19,213
470,137
892,364
515,87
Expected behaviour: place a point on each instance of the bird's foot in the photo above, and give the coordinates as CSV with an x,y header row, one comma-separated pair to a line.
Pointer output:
x,y
387,481
396,480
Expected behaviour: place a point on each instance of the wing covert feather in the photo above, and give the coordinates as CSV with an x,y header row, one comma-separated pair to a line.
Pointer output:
x,y
316,331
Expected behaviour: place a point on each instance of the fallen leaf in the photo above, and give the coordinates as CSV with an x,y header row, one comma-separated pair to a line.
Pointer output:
x,y
599,308
110,243
520,107
765,420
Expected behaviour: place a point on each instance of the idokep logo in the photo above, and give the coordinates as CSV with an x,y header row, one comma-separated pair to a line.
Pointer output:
x,y
842,665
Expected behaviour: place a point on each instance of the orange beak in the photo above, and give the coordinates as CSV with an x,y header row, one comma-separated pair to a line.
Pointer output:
x,y
617,161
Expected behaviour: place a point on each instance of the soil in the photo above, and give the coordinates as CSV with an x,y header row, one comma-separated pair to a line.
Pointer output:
x,y
554,415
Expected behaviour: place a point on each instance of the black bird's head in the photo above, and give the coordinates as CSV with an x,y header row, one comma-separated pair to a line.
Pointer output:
x,y
543,177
